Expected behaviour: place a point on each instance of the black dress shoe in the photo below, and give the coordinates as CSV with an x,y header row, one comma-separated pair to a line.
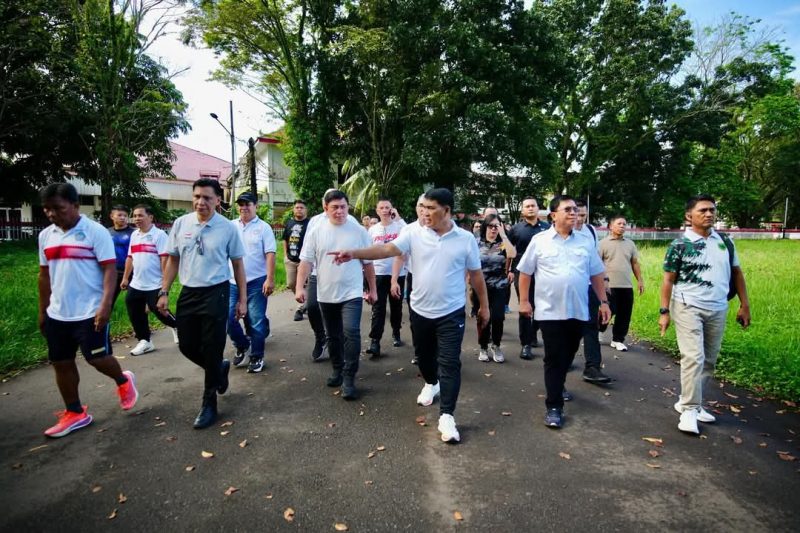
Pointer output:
x,y
298,316
349,391
526,353
224,369
335,380
414,360
396,342
374,349
208,412
595,375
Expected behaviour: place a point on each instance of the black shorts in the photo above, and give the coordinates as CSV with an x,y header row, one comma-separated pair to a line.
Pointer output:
x,y
64,339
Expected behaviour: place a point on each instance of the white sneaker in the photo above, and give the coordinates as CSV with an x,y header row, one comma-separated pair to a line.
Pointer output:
x,y
447,427
174,334
143,347
427,394
702,414
620,347
688,423
483,355
498,355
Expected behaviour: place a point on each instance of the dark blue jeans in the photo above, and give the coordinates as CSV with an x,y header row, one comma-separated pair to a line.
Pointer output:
x,y
437,344
343,329
256,321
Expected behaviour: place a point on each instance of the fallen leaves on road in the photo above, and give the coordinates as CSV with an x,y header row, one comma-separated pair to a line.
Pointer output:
x,y
736,440
488,375
122,498
96,489
492,432
421,420
752,472
654,453
224,433
653,465
368,482
113,515
227,424
230,490
268,496
734,409
37,448
16,466
506,413
160,424
654,440
381,448
171,438
189,468
458,516
243,443
339,526
564,455
207,455
762,444
288,514
370,455
729,395
786,456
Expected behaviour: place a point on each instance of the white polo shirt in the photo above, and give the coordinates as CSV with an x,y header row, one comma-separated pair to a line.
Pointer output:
x,y
258,241
704,273
440,266
562,268
74,260
336,283
380,234
204,249
408,227
146,251
313,223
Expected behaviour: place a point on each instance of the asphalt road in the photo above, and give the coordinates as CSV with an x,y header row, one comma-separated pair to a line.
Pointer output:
x,y
285,441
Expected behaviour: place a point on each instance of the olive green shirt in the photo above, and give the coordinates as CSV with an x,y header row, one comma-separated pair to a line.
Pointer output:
x,y
617,255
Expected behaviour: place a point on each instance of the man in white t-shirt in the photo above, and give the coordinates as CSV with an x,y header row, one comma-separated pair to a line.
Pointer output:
x,y
147,257
443,255
384,232
77,276
339,290
699,269
259,270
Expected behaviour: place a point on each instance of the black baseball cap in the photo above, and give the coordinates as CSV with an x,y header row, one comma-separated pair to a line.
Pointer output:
x,y
247,197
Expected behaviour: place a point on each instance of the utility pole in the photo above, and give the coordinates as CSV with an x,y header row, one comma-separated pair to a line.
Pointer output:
x,y
251,143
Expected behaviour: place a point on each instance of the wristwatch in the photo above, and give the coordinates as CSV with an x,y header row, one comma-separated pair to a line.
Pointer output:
x,y
663,310
163,293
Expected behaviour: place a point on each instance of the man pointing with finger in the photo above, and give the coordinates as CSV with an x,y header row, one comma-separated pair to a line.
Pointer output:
x,y
442,254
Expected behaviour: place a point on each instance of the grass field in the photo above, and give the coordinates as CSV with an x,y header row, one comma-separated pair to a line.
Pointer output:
x,y
766,356
21,345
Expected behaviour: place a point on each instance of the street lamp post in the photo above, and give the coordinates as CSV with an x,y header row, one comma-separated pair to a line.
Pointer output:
x,y
233,150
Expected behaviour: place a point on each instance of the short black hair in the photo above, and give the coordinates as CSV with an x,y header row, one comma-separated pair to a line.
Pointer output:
x,y
383,199
616,217
441,196
120,207
580,203
555,202
208,182
529,198
691,202
65,191
334,194
299,201
147,208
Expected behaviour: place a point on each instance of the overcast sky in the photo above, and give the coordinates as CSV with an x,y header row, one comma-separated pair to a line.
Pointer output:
x,y
250,116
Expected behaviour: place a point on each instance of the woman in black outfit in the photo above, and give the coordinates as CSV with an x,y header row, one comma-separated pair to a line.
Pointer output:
x,y
494,249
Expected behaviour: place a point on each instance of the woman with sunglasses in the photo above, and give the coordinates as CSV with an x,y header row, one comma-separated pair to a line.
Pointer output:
x,y
494,248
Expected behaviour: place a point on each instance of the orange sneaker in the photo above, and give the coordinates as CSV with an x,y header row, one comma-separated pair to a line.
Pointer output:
x,y
127,391
68,422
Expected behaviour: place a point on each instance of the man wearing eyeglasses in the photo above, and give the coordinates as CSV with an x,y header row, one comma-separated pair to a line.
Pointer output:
x,y
200,246
564,262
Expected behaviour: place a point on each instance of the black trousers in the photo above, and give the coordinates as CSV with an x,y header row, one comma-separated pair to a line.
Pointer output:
x,y
623,304
497,315
384,286
137,303
313,311
591,342
527,326
437,344
561,340
202,317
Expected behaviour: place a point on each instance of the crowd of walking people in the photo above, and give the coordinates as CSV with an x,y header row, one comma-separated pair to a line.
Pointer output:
x,y
568,283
